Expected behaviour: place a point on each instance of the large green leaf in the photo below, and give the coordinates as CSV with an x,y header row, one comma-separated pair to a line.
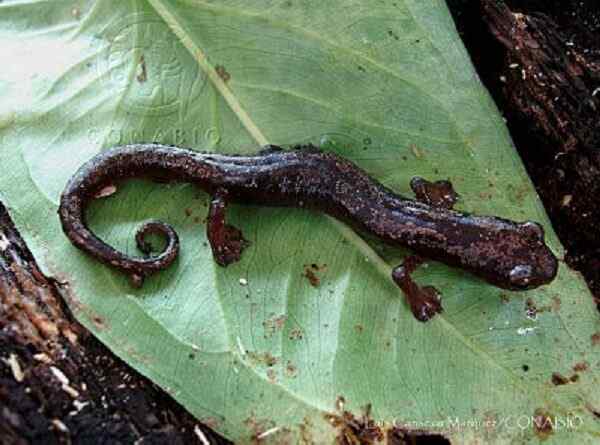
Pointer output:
x,y
387,84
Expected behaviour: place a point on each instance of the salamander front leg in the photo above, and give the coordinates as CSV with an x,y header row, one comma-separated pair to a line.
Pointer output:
x,y
226,242
424,301
439,194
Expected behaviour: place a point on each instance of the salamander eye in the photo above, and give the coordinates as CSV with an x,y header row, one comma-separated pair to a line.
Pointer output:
x,y
533,229
520,275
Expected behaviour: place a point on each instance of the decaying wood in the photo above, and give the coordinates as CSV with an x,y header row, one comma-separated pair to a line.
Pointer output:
x,y
31,310
552,87
553,83
58,385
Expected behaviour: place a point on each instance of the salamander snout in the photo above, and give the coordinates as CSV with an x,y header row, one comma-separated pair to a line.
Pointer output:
x,y
529,276
538,264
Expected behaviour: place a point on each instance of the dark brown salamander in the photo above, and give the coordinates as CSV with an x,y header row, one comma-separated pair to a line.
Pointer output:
x,y
507,254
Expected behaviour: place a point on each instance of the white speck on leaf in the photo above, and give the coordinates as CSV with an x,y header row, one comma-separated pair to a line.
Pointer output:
x,y
525,331
267,433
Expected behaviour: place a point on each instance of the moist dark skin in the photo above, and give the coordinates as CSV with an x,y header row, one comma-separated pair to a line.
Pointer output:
x,y
507,254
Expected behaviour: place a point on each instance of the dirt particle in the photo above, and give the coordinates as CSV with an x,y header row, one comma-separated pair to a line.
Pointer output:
x,y
566,200
60,426
310,272
71,391
258,426
43,358
142,75
594,411
269,432
312,278
530,309
222,72
266,358
581,367
274,324
98,322
306,437
296,334
15,367
596,339
291,370
270,360
4,243
542,424
353,430
559,379
201,436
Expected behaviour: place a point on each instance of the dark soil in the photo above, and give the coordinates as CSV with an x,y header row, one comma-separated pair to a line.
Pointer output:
x,y
101,400
115,404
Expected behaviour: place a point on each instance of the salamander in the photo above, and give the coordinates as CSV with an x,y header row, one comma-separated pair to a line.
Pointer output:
x,y
508,254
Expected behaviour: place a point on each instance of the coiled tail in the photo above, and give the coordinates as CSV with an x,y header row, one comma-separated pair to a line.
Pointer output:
x,y
92,177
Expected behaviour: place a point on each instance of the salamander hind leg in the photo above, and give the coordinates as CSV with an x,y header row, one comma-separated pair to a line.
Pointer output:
x,y
437,194
226,241
424,301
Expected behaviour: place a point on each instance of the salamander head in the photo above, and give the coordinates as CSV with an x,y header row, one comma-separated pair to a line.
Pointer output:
x,y
525,260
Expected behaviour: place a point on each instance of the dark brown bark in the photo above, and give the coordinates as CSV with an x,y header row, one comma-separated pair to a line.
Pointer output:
x,y
60,385
541,61
551,82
